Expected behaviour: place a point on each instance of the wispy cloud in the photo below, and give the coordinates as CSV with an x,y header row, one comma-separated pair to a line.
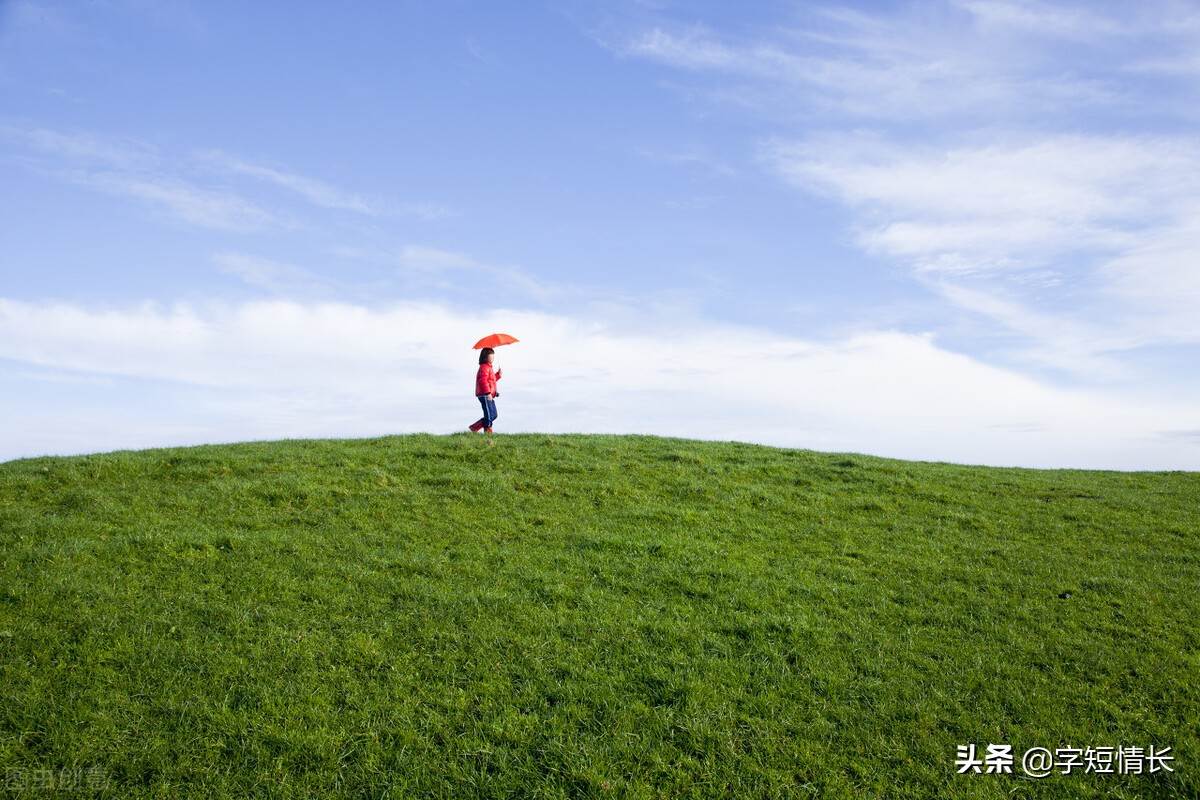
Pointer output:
x,y
195,189
429,263
1044,19
381,272
434,259
900,66
1112,216
696,48
123,153
127,167
951,133
207,208
697,157
1004,204
960,59
273,276
316,192
1159,275
1053,340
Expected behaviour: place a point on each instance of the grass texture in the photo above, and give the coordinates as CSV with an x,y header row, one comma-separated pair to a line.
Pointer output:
x,y
564,616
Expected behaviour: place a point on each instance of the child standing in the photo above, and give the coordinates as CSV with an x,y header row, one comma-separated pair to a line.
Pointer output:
x,y
485,391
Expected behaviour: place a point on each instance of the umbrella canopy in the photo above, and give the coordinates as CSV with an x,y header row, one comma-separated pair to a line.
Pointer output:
x,y
494,340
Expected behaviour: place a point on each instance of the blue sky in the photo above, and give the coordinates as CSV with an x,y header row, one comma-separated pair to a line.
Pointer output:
x,y
957,231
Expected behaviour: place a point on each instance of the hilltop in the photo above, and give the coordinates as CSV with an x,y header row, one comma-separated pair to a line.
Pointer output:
x,y
589,616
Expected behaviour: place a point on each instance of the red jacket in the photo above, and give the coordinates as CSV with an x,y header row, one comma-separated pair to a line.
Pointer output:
x,y
485,380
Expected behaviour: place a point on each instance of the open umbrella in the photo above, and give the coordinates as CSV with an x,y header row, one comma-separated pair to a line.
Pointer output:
x,y
494,340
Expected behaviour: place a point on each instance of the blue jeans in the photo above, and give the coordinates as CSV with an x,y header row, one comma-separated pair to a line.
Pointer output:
x,y
489,410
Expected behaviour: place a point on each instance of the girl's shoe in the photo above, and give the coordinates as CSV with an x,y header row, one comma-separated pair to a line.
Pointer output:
x,y
474,427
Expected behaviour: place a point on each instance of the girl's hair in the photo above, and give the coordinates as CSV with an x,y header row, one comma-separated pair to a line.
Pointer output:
x,y
483,354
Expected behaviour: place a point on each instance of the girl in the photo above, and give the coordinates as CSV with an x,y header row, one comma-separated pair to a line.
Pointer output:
x,y
485,391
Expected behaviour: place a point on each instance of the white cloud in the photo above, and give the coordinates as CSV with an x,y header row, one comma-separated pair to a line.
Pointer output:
x,y
194,190
206,208
282,368
1039,192
126,167
1075,248
692,48
433,260
1058,341
1111,218
125,153
1158,279
416,269
1043,19
916,63
274,276
316,192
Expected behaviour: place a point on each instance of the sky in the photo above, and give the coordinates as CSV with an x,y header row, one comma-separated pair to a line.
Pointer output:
x,y
963,231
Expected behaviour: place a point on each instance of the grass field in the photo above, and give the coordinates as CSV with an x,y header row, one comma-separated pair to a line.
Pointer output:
x,y
586,616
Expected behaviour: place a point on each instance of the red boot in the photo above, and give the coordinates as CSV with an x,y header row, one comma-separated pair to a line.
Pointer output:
x,y
474,428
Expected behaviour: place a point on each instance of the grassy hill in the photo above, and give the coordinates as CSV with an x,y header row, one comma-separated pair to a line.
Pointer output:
x,y
587,616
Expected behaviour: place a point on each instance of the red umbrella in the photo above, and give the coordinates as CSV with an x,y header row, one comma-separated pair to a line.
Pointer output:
x,y
494,340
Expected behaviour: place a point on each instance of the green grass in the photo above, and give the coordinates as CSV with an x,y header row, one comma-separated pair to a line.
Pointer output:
x,y
588,616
